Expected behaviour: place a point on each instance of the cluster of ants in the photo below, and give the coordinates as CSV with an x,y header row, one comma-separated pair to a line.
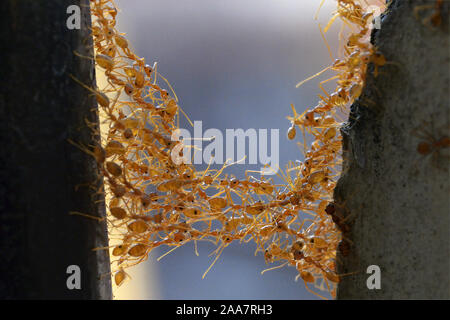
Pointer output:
x,y
154,201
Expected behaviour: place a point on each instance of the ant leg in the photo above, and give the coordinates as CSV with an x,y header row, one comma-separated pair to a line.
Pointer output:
x,y
325,81
330,22
86,215
312,77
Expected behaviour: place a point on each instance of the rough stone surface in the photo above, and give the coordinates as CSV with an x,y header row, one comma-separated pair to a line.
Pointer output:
x,y
397,200
42,176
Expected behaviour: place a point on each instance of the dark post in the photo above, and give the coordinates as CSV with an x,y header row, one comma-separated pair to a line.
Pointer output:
x,y
396,194
42,176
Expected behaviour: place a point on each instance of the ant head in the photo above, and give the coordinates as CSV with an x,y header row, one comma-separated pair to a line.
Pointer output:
x,y
128,88
309,116
148,70
233,182
164,94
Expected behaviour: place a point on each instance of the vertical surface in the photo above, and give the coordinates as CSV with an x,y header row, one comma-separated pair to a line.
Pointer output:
x,y
397,199
42,176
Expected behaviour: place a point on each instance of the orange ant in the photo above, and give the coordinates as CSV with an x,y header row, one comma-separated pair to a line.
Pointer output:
x,y
431,145
434,19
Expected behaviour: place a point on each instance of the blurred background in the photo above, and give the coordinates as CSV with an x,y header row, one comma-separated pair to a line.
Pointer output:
x,y
233,64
